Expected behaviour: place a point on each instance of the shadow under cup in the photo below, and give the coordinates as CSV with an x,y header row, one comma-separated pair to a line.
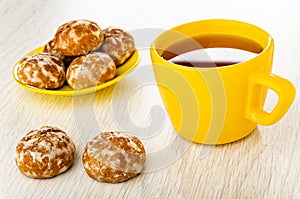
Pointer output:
x,y
215,103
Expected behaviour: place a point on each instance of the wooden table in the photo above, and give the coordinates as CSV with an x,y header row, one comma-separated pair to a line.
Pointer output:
x,y
266,164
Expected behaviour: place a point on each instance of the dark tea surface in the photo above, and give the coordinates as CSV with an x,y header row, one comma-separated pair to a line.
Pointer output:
x,y
201,64
212,57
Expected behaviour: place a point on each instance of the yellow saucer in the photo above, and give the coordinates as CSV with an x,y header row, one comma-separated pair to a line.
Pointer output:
x,y
66,90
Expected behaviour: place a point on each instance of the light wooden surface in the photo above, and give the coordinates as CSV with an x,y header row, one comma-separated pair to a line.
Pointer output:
x,y
265,164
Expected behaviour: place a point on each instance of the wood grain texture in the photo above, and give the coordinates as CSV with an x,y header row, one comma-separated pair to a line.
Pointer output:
x,y
266,164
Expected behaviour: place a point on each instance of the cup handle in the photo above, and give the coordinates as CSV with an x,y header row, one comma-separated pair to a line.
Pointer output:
x,y
282,87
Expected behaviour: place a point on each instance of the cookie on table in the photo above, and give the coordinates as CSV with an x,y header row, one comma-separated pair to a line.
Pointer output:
x,y
90,70
78,37
118,43
41,70
45,153
114,157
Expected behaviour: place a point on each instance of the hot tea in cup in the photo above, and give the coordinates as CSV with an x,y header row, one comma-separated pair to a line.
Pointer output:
x,y
217,102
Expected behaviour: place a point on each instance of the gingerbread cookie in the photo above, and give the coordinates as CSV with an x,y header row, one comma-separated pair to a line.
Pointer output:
x,y
90,70
45,153
118,44
50,48
78,37
41,70
114,157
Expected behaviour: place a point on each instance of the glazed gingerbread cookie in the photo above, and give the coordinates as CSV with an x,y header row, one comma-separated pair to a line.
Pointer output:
x,y
50,48
41,70
114,157
45,153
118,43
90,70
78,37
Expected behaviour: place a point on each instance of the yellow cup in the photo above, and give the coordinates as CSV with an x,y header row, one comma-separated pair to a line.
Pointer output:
x,y
218,105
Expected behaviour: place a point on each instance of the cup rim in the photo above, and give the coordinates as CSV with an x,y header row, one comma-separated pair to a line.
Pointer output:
x,y
270,42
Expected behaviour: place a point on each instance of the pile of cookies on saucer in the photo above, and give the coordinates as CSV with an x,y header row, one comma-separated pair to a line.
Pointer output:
x,y
80,54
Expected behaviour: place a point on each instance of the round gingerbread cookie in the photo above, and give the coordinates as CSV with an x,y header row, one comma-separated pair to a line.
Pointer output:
x,y
114,157
45,153
78,37
118,43
41,70
50,48
90,70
